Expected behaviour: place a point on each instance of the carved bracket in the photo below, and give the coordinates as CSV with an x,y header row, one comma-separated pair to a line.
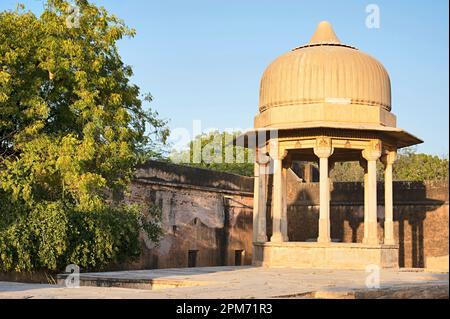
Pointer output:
x,y
261,156
389,158
373,151
323,147
276,151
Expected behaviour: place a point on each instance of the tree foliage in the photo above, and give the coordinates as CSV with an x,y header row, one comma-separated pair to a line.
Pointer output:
x,y
72,129
409,166
412,166
213,151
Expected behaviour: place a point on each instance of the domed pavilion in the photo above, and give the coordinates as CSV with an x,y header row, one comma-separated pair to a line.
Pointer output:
x,y
323,102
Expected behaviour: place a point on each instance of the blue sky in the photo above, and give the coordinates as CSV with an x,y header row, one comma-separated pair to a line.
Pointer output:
x,y
202,60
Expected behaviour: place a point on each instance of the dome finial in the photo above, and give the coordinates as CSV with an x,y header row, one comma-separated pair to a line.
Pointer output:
x,y
324,34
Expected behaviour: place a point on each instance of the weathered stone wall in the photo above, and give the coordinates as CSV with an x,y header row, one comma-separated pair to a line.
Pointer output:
x,y
211,213
204,211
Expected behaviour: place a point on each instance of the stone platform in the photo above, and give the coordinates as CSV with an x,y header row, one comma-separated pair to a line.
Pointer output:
x,y
240,282
325,255
437,264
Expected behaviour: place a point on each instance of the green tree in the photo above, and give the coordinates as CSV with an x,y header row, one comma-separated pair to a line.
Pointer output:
x,y
215,151
72,129
347,172
409,166
412,166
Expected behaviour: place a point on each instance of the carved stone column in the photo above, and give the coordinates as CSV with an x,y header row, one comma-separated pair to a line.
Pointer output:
x,y
323,151
284,218
372,153
388,160
363,164
256,199
260,197
277,193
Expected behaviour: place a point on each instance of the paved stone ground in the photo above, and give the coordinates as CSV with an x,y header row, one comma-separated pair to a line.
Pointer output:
x,y
239,282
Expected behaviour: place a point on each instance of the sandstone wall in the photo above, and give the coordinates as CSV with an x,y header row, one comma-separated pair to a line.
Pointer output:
x,y
211,213
203,211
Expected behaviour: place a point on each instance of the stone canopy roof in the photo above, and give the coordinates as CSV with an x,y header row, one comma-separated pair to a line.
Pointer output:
x,y
326,84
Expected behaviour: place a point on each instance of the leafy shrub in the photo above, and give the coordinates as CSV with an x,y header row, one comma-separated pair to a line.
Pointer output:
x,y
51,235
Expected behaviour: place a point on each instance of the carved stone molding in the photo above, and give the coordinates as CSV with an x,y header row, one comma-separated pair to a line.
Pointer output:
x,y
389,158
261,156
323,147
373,151
276,151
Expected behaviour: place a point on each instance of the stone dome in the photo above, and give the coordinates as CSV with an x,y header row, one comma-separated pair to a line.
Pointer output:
x,y
325,71
325,89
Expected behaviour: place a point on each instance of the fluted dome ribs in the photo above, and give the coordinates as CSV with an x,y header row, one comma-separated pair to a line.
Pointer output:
x,y
325,70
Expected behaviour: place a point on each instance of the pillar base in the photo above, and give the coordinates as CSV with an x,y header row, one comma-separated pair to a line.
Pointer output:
x,y
325,256
324,240
261,239
276,238
324,231
370,241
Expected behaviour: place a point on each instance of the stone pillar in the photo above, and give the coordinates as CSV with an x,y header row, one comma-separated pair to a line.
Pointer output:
x,y
256,199
363,164
372,154
277,195
260,197
284,220
323,151
388,160
262,205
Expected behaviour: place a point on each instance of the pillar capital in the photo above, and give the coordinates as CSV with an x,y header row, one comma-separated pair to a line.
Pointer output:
x,y
389,158
373,151
276,151
262,161
279,155
323,148
261,156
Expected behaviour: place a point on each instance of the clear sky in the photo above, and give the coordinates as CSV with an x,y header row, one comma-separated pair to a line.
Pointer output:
x,y
203,59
